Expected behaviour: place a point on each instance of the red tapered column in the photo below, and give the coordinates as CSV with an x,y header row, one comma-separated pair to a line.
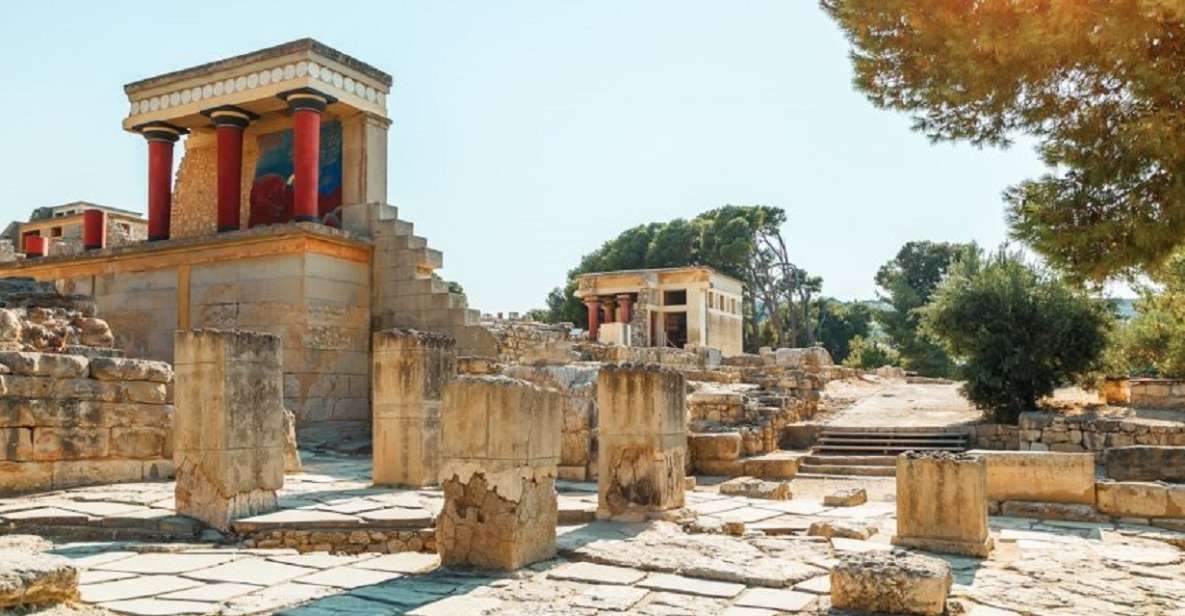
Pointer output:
x,y
594,313
623,308
35,246
93,223
161,138
229,122
306,105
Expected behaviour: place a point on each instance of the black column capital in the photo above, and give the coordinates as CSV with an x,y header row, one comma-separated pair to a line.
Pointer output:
x,y
306,98
230,115
160,131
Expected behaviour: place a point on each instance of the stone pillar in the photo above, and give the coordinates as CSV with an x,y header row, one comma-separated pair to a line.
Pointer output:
x,y
641,440
623,308
35,246
410,370
229,122
500,443
608,310
942,503
594,313
228,427
94,226
161,137
306,105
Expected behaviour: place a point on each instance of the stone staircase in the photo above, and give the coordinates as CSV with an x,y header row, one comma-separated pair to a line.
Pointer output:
x,y
873,452
404,291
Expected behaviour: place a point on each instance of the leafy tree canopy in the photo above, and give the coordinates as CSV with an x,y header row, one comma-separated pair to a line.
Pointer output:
x,y
1152,343
1019,331
840,323
907,282
1099,83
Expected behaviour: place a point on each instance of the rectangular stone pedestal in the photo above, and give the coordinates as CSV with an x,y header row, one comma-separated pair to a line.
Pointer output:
x,y
229,425
410,370
942,503
642,440
500,444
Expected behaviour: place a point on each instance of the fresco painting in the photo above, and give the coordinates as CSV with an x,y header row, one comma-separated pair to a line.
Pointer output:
x,y
272,190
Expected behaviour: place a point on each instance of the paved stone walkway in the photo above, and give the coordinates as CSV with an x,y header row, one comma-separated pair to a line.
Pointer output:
x,y
895,404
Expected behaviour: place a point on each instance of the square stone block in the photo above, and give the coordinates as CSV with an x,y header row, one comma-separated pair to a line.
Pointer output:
x,y
501,421
406,451
942,503
479,527
641,399
640,475
1039,476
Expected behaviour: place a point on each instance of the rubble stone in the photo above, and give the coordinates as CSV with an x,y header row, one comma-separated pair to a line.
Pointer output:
x,y
894,583
33,578
844,529
752,487
846,498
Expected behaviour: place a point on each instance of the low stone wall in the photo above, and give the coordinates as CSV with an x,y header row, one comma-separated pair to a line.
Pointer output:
x,y
1036,476
662,356
529,342
66,420
1156,393
996,437
1132,499
1089,432
1146,463
345,541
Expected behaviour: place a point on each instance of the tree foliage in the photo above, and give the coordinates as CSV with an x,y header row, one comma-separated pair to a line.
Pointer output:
x,y
870,354
1019,331
907,282
1099,84
745,242
840,323
1152,343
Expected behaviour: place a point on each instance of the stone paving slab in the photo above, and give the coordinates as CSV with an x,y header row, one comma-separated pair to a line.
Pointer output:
x,y
775,599
596,574
159,607
402,562
347,577
134,588
154,564
252,571
691,586
219,592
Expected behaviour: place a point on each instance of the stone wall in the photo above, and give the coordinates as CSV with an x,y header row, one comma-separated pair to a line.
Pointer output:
x,y
1156,393
529,342
995,437
1091,432
1146,463
578,439
69,420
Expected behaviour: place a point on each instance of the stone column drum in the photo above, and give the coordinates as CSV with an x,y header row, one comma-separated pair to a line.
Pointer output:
x,y
228,427
642,440
942,503
410,370
500,444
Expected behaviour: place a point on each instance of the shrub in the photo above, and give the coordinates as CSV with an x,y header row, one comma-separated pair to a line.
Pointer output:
x,y
868,354
1018,331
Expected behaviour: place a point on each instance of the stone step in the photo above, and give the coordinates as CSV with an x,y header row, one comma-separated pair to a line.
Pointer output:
x,y
895,441
883,448
836,469
850,460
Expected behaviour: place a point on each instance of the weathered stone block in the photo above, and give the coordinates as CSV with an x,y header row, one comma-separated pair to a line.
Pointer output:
x,y
844,529
31,578
500,444
1132,499
895,583
45,364
71,473
642,439
140,443
1037,476
126,369
846,498
16,444
410,372
752,487
714,446
942,503
51,444
1146,463
229,424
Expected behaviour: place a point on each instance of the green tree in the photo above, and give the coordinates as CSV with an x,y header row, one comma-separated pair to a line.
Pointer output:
x,y
1098,84
1019,331
840,323
870,354
906,282
1152,343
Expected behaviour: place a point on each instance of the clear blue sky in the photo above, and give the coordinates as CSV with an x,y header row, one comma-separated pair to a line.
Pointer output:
x,y
527,133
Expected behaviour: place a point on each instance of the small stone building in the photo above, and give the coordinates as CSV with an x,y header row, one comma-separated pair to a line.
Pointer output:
x,y
277,222
62,226
667,307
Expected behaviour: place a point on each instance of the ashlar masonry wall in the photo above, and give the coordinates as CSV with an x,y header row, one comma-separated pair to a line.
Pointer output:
x,y
66,420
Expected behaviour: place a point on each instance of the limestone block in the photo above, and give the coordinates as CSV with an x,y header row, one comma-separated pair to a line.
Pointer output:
x,y
33,578
17,477
894,583
1038,476
846,498
229,424
18,386
410,371
844,529
45,364
125,369
10,326
52,444
71,473
500,442
642,439
140,443
1146,463
942,503
714,446
1132,499
751,487
16,444
292,462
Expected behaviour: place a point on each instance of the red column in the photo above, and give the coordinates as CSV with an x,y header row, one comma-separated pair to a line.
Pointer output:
x,y
161,138
594,312
623,308
34,246
229,122
93,223
306,105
